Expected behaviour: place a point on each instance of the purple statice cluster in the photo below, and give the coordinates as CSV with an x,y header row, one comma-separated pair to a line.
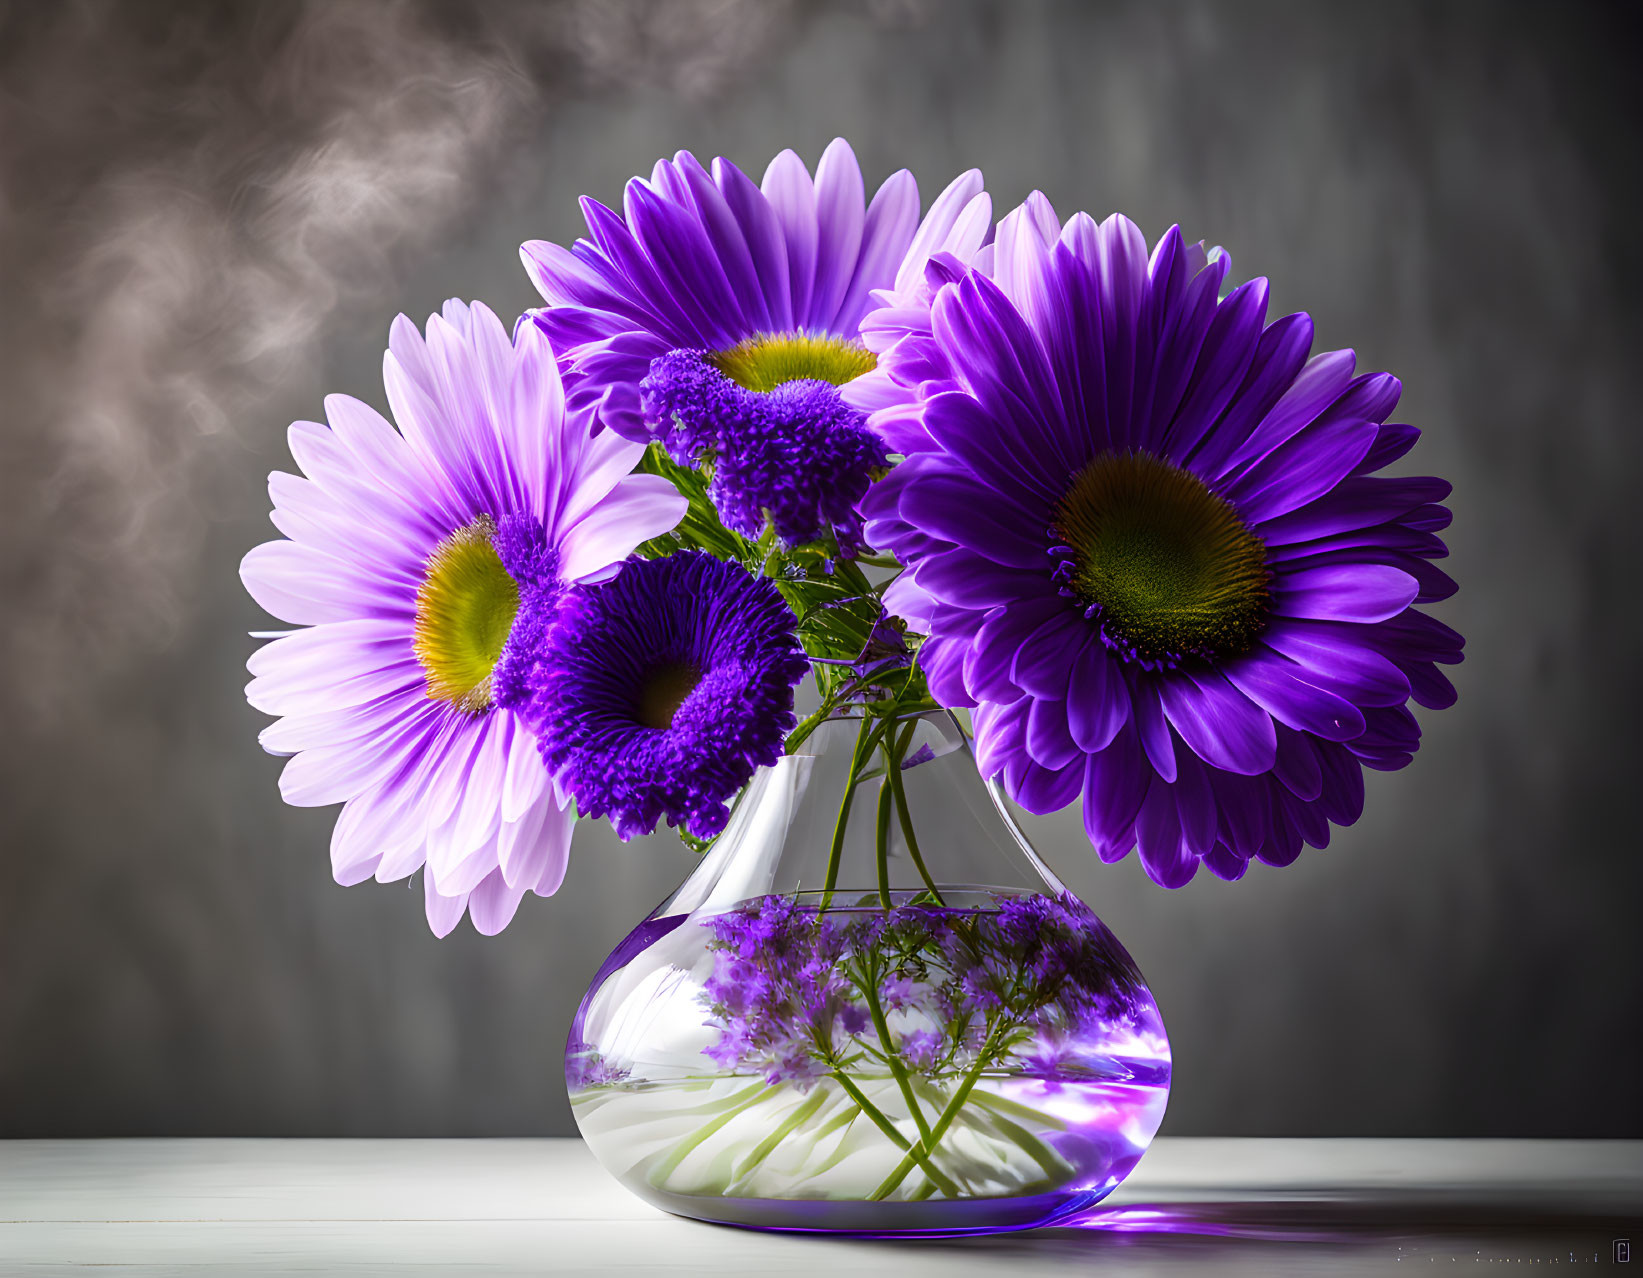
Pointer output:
x,y
588,1068
797,992
797,457
779,994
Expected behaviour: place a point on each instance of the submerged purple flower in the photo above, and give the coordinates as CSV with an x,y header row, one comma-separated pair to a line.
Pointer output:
x,y
1146,540
792,988
722,317
425,564
656,694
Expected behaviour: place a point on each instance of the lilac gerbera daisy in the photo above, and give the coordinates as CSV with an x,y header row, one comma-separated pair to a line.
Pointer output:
x,y
656,694
721,318
424,562
1146,538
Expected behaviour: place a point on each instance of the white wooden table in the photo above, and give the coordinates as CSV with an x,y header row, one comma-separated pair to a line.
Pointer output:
x,y
543,1206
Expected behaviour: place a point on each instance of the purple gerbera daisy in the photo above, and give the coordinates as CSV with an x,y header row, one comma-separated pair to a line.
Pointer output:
x,y
1146,539
721,318
424,564
656,694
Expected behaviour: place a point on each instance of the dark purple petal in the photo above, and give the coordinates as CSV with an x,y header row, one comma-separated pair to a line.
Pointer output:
x,y
1280,688
1297,765
1043,663
974,516
1194,802
1316,387
1359,502
987,669
1279,356
1305,467
1098,700
1221,725
1042,790
1115,784
1431,687
971,437
1341,656
1164,855
1048,740
761,229
1225,864
1393,441
1243,809
1152,727
1009,380
1344,592
1342,792
969,580
1222,362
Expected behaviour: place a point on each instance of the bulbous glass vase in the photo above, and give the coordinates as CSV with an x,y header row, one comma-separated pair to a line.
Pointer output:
x,y
872,1008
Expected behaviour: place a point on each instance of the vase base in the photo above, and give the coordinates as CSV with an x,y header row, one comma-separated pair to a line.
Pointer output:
x,y
927,1219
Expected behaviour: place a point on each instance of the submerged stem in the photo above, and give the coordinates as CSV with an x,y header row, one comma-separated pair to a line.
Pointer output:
x,y
898,1071
915,1155
926,1145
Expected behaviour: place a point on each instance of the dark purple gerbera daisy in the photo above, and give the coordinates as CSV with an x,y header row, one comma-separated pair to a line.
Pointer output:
x,y
1146,539
722,317
656,694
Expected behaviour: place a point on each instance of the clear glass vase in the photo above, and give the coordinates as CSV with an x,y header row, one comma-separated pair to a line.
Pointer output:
x,y
872,1008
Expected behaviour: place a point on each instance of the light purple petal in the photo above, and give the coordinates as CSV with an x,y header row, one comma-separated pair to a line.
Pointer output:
x,y
493,904
892,219
642,507
444,912
792,196
841,201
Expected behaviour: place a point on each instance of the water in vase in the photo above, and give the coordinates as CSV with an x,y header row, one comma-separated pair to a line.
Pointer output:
x,y
872,1007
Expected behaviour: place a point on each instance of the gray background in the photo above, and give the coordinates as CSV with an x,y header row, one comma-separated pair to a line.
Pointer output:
x,y
208,216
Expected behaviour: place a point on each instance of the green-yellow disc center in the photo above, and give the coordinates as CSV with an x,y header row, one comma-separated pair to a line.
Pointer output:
x,y
764,363
464,611
662,691
1169,567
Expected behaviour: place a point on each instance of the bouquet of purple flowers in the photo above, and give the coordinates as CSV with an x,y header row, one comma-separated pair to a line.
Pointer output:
x,y
1030,468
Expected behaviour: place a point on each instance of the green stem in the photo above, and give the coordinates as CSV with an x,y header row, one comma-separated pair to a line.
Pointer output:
x,y
881,834
898,1071
762,1149
905,813
914,1155
866,737
658,1174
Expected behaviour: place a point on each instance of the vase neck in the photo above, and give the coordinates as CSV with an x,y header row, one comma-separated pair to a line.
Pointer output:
x,y
867,811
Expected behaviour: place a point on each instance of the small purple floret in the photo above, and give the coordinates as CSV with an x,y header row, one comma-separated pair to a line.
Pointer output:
x,y
792,988
797,456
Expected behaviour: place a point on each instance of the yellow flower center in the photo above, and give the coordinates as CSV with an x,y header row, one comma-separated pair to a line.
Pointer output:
x,y
464,610
764,363
1171,565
